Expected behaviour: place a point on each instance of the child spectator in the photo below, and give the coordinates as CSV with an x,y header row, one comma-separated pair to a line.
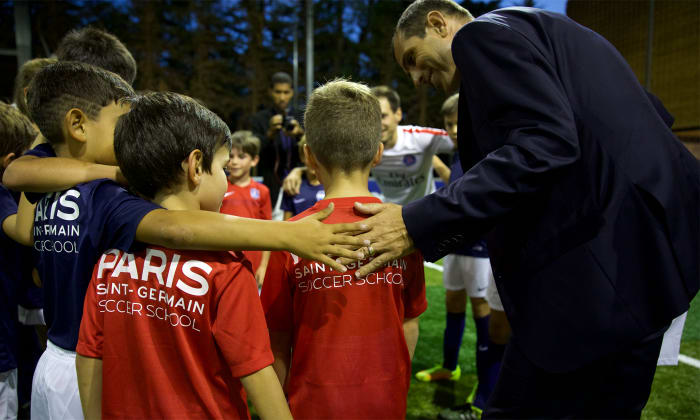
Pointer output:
x,y
468,273
343,346
76,107
25,75
181,348
16,134
310,190
246,197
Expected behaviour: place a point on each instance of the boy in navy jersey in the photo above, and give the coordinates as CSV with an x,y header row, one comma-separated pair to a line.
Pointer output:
x,y
76,107
342,345
193,323
310,190
16,134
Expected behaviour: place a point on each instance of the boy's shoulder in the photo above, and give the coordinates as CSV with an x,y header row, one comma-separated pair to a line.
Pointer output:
x,y
343,211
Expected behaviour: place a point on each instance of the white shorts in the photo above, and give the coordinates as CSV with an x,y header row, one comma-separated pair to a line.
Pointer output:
x,y
492,297
671,345
461,272
8,395
55,386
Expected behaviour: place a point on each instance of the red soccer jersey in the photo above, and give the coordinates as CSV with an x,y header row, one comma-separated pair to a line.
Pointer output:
x,y
252,202
175,330
349,357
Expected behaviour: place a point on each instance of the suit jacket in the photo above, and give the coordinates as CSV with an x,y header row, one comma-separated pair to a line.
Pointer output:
x,y
589,202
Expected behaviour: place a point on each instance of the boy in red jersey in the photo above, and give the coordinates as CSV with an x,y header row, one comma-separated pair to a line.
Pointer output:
x,y
182,331
246,197
342,345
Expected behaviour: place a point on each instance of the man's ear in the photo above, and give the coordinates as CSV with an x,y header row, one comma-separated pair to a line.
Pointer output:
x,y
378,157
7,159
399,114
194,167
74,124
436,21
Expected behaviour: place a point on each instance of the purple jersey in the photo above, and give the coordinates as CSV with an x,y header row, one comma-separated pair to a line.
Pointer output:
x,y
307,197
10,277
72,228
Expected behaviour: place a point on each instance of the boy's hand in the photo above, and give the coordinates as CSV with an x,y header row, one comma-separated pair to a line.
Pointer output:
x,y
317,241
387,235
292,183
260,275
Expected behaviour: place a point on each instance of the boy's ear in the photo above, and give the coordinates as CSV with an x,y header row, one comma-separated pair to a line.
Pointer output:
x,y
378,156
194,167
74,124
254,161
310,158
7,159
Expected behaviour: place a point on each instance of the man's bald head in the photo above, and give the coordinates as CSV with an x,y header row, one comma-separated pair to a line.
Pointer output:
x,y
413,20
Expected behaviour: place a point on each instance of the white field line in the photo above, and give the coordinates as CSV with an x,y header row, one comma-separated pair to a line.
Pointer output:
x,y
682,358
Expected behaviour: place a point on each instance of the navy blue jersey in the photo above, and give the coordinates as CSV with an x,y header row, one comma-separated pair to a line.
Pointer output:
x,y
478,249
72,228
41,150
9,278
307,197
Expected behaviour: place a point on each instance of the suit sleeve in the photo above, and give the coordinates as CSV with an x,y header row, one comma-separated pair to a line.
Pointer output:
x,y
521,118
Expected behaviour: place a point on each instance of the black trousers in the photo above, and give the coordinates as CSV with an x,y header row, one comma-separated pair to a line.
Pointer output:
x,y
614,387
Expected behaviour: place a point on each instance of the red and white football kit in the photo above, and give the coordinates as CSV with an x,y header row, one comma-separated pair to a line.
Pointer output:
x,y
175,330
253,202
349,355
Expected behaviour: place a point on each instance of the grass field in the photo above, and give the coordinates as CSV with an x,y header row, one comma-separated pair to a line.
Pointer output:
x,y
675,392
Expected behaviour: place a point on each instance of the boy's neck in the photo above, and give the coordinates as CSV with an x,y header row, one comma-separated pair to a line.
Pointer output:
x,y
347,184
180,200
243,181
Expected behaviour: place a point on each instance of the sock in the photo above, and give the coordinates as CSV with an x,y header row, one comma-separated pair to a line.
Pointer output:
x,y
482,347
452,339
486,386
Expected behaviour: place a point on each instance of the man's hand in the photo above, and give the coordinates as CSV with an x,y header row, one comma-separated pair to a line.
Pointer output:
x,y
275,125
314,240
292,182
387,235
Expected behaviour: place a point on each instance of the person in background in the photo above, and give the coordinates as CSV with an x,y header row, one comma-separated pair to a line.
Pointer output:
x,y
310,190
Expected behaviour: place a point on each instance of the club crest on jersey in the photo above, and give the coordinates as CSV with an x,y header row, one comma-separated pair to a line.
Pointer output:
x,y
255,193
409,160
320,195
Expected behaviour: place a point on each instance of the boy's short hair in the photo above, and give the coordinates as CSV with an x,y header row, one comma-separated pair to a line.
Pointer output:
x,y
158,134
16,131
343,123
280,77
99,48
450,106
246,141
24,76
413,20
390,94
64,85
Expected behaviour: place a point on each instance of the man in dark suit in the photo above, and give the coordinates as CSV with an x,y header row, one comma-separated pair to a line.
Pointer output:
x,y
589,203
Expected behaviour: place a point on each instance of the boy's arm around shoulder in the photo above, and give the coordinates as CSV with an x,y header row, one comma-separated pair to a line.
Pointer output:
x,y
33,174
202,230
